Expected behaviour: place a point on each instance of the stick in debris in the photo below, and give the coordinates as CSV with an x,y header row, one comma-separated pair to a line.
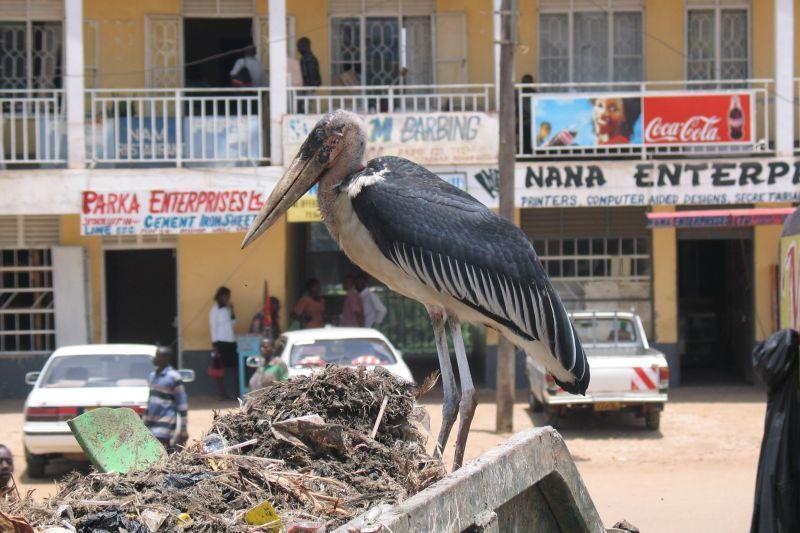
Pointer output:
x,y
234,447
380,416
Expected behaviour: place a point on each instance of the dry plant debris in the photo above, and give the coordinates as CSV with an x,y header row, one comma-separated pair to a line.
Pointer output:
x,y
322,468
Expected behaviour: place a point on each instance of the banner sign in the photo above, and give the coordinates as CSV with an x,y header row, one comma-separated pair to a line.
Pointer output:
x,y
789,271
169,212
425,138
620,120
641,183
719,218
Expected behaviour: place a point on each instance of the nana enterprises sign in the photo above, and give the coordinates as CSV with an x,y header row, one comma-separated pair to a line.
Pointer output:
x,y
639,183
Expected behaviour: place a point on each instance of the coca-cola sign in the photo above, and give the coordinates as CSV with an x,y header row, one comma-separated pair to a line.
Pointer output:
x,y
722,118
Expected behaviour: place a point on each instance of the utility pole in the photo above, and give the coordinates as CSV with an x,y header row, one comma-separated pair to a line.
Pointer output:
x,y
508,146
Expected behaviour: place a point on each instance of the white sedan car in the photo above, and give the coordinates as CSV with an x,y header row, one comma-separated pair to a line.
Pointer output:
x,y
307,350
76,379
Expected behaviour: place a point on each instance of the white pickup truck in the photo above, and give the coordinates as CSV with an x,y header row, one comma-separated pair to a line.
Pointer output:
x,y
626,374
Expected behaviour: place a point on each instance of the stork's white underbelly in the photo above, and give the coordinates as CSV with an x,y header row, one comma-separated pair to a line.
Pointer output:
x,y
356,241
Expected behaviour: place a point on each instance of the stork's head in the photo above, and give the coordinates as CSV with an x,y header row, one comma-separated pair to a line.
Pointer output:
x,y
334,146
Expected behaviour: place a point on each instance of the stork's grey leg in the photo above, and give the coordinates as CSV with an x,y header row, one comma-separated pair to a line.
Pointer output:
x,y
451,395
469,401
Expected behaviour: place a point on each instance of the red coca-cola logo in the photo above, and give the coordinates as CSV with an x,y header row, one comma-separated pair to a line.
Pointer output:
x,y
697,129
697,118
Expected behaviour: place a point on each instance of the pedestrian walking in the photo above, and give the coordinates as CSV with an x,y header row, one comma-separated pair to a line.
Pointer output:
x,y
374,310
352,310
224,357
168,405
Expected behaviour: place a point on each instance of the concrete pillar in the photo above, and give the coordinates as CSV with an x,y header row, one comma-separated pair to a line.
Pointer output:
x,y
665,294
784,84
74,84
277,78
496,37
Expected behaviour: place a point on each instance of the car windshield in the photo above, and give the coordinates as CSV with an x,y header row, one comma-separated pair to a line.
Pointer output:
x,y
606,330
349,352
98,371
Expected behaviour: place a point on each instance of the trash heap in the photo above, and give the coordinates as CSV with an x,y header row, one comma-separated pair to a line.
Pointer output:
x,y
303,446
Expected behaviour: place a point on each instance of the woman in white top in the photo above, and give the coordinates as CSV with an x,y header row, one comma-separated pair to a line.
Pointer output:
x,y
221,320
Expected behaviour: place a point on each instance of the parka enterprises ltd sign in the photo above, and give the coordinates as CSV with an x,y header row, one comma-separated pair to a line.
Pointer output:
x,y
632,183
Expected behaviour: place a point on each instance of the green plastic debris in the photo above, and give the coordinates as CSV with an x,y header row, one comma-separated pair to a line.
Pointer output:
x,y
116,440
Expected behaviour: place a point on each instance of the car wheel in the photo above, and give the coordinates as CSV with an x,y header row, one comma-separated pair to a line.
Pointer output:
x,y
535,405
36,465
652,419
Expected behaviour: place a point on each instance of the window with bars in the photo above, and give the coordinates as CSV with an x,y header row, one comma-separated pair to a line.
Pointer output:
x,y
27,314
590,46
383,50
717,44
31,54
625,258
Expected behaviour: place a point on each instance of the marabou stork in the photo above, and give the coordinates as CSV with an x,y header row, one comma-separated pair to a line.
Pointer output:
x,y
432,242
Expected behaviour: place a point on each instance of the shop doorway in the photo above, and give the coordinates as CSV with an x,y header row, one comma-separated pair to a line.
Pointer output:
x,y
141,296
209,49
715,309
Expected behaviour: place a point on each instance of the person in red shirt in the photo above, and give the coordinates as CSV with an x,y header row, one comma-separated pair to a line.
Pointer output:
x,y
613,119
352,310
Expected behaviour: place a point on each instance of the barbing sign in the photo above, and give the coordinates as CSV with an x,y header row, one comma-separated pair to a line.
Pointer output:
x,y
169,212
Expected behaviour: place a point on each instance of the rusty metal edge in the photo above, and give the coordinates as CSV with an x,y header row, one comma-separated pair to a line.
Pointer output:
x,y
489,481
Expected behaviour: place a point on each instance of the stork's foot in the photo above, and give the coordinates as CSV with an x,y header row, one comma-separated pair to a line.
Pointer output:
x,y
467,406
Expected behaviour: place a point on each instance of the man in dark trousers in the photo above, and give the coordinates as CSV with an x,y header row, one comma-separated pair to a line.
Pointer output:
x,y
309,68
168,405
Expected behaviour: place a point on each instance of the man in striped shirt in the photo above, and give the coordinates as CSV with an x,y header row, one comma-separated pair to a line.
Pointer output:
x,y
167,400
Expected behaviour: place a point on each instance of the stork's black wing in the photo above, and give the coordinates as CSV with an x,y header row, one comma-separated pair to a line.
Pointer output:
x,y
447,240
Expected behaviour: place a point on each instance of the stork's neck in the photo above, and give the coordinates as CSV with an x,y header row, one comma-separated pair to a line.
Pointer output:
x,y
349,162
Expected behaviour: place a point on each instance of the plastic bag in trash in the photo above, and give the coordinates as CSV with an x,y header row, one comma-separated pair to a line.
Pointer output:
x,y
776,507
111,520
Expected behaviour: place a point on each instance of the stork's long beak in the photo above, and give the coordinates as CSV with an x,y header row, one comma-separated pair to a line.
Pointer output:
x,y
301,175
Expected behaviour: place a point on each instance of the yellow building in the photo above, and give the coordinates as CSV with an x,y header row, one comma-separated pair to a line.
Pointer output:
x,y
131,163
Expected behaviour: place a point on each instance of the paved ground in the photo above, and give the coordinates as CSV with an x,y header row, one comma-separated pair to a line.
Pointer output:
x,y
696,474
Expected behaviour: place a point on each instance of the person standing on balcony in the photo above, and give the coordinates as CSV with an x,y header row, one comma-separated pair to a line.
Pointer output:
x,y
255,71
374,310
309,66
221,320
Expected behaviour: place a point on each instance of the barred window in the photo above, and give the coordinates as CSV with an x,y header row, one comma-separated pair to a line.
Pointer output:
x,y
625,258
31,54
27,314
717,44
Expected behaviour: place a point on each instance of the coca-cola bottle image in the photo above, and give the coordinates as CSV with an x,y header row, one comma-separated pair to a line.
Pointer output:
x,y
564,137
735,119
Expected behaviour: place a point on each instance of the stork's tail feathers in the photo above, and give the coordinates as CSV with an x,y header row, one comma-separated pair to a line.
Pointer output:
x,y
567,349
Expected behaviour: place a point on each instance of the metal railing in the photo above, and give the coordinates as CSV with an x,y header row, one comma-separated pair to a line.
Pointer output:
x,y
32,128
390,98
178,126
536,142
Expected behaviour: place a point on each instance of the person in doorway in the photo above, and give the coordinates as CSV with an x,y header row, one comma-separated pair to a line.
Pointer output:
x,y
274,368
613,119
221,320
352,310
254,70
310,308
8,489
374,310
167,414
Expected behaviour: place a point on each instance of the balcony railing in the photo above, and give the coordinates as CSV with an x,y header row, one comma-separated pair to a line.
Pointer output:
x,y
390,98
797,114
32,126
178,126
572,133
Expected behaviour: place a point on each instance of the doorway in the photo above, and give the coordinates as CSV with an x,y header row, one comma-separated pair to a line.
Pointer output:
x,y
210,49
715,309
141,296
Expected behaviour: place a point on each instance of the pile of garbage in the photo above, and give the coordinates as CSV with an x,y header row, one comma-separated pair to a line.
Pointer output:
x,y
308,454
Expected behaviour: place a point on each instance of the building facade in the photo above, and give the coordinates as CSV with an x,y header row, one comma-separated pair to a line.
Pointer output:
x,y
657,154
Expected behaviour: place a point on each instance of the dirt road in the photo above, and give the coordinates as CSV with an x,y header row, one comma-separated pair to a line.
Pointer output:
x,y
696,474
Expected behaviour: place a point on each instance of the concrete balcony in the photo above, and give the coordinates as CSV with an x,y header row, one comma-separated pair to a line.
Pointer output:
x,y
32,127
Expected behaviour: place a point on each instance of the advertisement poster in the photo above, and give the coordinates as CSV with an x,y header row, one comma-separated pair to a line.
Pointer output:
x,y
789,271
169,212
425,138
604,120
698,119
